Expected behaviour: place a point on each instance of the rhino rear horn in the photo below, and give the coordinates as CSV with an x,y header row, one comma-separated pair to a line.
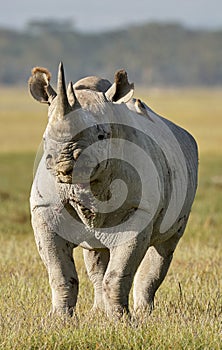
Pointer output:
x,y
72,97
121,90
39,85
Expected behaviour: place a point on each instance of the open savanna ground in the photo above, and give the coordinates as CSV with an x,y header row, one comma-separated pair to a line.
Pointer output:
x,y
188,305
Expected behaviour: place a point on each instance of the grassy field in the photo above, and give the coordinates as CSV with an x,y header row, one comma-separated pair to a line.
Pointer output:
x,y
188,311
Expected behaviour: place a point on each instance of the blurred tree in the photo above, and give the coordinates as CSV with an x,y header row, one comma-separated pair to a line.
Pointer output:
x,y
153,54
50,26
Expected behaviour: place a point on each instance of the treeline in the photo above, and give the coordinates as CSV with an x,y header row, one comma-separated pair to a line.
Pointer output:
x,y
153,54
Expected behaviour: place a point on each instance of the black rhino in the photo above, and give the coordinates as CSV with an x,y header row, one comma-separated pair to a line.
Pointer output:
x,y
116,179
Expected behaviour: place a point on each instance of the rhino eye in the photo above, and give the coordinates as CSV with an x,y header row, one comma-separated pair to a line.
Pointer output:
x,y
49,161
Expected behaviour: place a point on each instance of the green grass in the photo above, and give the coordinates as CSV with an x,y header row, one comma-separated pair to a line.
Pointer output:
x,y
188,312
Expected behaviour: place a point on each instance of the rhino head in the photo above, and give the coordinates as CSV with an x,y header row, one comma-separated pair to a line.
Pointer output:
x,y
78,116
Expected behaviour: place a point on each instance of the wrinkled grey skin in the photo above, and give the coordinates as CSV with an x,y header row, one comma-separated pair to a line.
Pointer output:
x,y
112,268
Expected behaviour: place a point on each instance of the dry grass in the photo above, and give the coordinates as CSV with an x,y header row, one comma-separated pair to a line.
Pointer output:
x,y
188,311
22,121
198,110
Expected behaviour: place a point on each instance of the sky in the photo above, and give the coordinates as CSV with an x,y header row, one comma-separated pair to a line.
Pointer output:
x,y
102,15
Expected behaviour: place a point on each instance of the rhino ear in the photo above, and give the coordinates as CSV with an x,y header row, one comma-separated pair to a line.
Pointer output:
x,y
121,90
39,86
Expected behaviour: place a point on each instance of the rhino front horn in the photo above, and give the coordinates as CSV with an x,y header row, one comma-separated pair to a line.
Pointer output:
x,y
63,107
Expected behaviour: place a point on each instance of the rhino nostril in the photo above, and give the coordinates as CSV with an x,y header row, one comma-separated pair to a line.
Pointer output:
x,y
68,172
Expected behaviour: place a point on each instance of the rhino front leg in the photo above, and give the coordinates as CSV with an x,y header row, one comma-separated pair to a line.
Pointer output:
x,y
117,282
151,274
57,255
96,262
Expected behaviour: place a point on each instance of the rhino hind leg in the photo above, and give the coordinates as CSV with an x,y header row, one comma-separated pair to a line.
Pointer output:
x,y
151,274
57,255
96,262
